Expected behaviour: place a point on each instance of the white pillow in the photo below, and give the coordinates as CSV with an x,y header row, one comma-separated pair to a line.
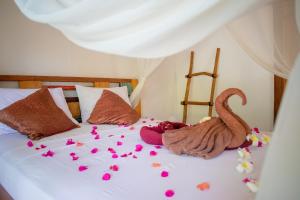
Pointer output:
x,y
88,97
9,96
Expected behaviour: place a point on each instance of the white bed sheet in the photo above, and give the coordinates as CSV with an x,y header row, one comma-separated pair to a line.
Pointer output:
x,y
25,174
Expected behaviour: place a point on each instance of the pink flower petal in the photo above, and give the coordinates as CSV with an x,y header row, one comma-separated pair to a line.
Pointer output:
x,y
94,132
94,150
30,143
131,128
82,168
97,137
37,148
72,154
130,153
152,119
157,146
124,155
114,168
115,155
111,150
153,153
48,154
169,193
106,176
75,158
94,127
134,156
43,146
144,122
164,174
260,144
70,142
122,136
110,135
119,143
138,147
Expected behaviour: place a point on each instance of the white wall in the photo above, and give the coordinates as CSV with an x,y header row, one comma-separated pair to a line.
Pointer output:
x,y
236,70
29,48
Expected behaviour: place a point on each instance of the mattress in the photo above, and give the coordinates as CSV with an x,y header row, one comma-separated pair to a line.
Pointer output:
x,y
26,174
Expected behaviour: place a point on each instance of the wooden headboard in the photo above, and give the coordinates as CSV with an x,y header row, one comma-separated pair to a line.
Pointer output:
x,y
41,81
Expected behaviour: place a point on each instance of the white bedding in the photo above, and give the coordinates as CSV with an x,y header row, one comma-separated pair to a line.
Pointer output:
x,y
25,174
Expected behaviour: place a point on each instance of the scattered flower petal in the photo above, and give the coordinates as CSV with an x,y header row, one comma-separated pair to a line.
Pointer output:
x,y
97,137
252,184
115,155
75,158
164,174
94,150
256,130
48,154
134,156
30,143
82,168
114,168
106,176
94,127
122,136
124,155
110,135
203,186
119,143
94,132
70,142
130,153
259,144
79,144
156,165
131,128
153,153
144,122
37,148
72,154
169,193
138,147
111,150
158,146
43,146
152,119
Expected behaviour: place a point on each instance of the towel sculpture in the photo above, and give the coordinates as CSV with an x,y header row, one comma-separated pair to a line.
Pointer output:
x,y
210,138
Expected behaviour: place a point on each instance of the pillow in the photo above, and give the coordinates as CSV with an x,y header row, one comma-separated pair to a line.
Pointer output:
x,y
112,109
9,96
36,116
88,96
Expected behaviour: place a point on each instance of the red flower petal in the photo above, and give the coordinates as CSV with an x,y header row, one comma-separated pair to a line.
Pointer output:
x,y
30,143
72,154
157,146
43,146
122,136
75,158
70,142
124,155
97,137
169,193
134,156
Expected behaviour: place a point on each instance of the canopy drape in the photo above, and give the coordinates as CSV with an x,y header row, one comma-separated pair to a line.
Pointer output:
x,y
135,28
269,36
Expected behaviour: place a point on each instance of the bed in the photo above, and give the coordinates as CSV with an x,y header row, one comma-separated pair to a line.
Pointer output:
x,y
116,165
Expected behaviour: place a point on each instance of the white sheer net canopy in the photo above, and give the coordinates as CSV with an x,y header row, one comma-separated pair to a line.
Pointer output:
x,y
266,30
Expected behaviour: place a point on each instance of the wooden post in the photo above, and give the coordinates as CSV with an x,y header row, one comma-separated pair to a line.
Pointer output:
x,y
213,85
138,108
187,90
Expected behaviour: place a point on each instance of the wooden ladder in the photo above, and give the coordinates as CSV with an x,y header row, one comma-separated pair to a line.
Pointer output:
x,y
189,77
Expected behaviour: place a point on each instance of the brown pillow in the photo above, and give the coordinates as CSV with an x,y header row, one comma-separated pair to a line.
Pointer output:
x,y
36,116
112,109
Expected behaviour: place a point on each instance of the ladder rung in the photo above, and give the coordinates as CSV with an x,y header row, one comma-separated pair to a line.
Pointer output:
x,y
196,103
200,74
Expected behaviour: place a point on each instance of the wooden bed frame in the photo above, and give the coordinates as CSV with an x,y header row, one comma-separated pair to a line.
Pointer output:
x,y
39,81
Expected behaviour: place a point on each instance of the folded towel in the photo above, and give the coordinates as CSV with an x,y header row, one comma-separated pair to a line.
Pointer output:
x,y
211,137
